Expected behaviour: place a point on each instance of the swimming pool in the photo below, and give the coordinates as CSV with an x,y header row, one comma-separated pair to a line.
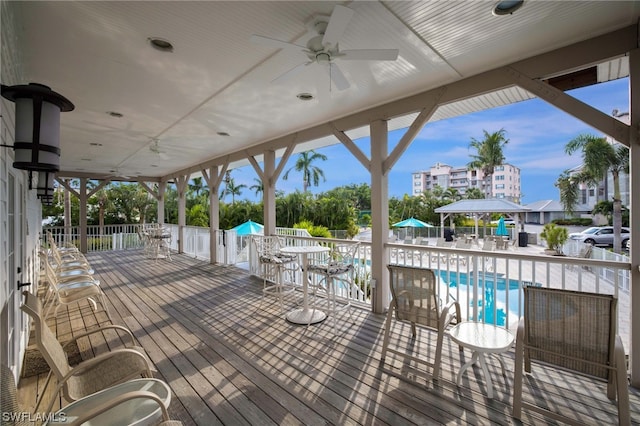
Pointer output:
x,y
499,298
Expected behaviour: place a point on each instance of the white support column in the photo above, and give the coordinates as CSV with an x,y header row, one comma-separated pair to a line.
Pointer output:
x,y
83,215
213,177
379,215
181,186
634,212
269,193
162,189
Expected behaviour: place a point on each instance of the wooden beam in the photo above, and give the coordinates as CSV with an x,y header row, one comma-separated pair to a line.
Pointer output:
x,y
351,146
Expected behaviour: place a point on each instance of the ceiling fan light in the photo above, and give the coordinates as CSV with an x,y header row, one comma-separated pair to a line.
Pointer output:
x,y
160,44
304,96
507,7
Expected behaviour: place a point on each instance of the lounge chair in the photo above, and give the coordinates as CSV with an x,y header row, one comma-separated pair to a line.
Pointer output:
x,y
415,300
67,288
573,331
91,375
132,402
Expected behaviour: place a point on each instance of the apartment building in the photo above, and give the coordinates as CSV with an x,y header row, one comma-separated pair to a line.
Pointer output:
x,y
505,182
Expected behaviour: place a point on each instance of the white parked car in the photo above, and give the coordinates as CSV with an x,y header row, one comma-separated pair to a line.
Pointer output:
x,y
600,236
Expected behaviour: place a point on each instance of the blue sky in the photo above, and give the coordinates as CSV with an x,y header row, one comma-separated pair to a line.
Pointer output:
x,y
537,134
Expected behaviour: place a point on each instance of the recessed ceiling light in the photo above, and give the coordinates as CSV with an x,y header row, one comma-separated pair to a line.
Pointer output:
x,y
161,44
115,114
154,165
507,7
95,144
223,134
304,96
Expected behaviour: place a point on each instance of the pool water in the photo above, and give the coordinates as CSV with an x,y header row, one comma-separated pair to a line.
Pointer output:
x,y
492,293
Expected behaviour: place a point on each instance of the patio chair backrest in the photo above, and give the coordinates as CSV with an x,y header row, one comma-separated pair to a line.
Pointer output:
x,y
570,329
46,342
414,295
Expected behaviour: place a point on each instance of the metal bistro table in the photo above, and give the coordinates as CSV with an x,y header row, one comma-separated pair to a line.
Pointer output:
x,y
482,339
305,315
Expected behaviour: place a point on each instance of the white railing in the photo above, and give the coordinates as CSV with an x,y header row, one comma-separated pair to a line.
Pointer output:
x,y
488,284
99,238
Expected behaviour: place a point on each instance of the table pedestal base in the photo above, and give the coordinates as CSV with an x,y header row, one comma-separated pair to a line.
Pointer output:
x,y
480,357
306,316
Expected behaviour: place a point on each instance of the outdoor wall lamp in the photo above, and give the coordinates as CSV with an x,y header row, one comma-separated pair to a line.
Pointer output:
x,y
37,133
37,126
44,190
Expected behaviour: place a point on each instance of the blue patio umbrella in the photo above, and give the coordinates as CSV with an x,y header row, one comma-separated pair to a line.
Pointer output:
x,y
412,222
248,228
501,230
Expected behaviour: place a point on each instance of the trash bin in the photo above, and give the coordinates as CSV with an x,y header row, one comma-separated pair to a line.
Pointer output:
x,y
448,234
523,239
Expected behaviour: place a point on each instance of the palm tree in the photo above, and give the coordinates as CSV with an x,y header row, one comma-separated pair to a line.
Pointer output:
x,y
567,184
488,155
600,157
258,187
197,185
473,194
310,174
232,189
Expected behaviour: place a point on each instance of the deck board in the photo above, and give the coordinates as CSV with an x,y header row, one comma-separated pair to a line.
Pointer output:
x,y
228,363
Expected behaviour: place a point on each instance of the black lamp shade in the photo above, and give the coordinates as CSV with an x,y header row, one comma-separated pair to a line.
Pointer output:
x,y
37,142
44,190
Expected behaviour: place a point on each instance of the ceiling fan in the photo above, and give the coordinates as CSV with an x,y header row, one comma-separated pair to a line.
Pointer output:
x,y
155,148
116,174
323,48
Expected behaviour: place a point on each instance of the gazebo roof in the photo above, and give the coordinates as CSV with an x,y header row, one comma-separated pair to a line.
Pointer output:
x,y
493,205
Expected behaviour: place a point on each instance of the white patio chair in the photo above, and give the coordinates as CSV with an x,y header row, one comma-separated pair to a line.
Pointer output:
x,y
337,278
574,331
91,375
415,300
277,269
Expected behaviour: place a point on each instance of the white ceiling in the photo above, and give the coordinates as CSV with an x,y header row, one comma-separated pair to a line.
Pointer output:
x,y
216,80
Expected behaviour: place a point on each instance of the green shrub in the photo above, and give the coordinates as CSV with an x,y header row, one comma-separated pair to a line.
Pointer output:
x,y
576,221
314,230
555,236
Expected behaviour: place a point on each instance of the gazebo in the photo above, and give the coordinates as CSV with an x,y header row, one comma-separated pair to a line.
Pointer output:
x,y
481,209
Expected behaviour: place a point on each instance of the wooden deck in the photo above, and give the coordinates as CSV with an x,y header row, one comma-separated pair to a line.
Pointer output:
x,y
228,363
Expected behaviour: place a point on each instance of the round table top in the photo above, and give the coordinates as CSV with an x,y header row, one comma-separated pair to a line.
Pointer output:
x,y
482,337
304,249
132,412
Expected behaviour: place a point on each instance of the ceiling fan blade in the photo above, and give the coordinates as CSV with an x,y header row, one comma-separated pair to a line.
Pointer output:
x,y
291,73
370,54
338,22
337,76
272,42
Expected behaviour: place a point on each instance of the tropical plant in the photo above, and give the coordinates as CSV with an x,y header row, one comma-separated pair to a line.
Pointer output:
x,y
258,187
489,154
310,174
197,185
314,230
555,236
232,189
600,157
473,194
567,185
